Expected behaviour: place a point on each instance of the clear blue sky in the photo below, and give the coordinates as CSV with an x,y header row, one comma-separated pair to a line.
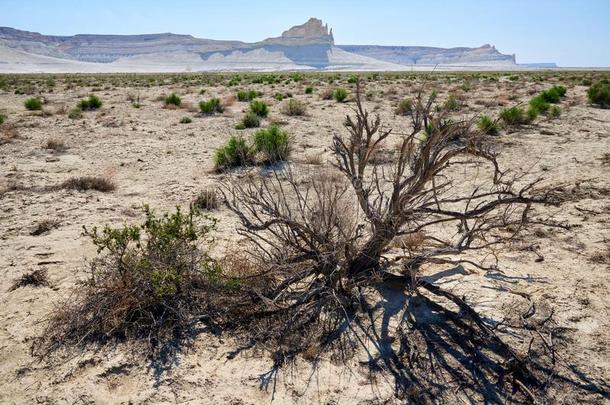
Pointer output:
x,y
568,32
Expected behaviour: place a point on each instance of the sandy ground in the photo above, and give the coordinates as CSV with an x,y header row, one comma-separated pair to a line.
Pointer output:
x,y
154,159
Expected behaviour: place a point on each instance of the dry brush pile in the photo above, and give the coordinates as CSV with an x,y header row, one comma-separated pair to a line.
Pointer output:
x,y
325,249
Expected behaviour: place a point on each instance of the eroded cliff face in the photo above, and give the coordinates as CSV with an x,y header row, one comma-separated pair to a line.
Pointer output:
x,y
419,55
310,46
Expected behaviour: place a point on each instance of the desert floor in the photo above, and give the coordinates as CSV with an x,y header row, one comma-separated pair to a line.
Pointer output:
x,y
154,159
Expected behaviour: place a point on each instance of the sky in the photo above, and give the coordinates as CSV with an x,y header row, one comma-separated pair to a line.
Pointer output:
x,y
571,33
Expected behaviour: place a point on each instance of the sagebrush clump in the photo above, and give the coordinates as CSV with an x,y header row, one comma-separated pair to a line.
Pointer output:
x,y
146,283
294,108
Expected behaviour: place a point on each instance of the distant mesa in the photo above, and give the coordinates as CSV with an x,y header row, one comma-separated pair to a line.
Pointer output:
x,y
309,46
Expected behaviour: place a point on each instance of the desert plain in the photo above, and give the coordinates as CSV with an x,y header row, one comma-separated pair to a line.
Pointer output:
x,y
162,155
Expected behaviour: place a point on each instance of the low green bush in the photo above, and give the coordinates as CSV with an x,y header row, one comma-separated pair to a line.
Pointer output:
x,y
33,104
236,152
452,103
75,113
211,106
513,116
540,104
260,108
273,143
250,120
2,118
404,107
173,99
91,103
599,93
186,120
488,125
148,282
309,90
555,111
248,95
340,95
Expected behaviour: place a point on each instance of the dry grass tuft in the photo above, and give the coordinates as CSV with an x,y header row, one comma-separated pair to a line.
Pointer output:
x,y
207,199
56,145
88,183
44,227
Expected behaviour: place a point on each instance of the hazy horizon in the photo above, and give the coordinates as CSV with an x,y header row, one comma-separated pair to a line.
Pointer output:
x,y
566,32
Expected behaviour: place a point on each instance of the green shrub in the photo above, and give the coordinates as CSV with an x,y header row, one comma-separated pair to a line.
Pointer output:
x,y
2,118
531,114
186,120
452,103
148,282
294,108
352,79
551,96
259,108
75,113
513,116
236,152
93,102
340,95
250,120
599,93
247,95
540,104
309,90
555,111
33,104
404,107
281,96
211,106
488,126
173,99
273,143
587,82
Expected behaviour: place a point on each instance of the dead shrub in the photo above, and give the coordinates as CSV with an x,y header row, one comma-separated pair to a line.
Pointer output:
x,y
34,278
228,101
8,133
327,94
326,240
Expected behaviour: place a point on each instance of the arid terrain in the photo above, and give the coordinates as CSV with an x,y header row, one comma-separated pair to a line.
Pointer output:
x,y
154,155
